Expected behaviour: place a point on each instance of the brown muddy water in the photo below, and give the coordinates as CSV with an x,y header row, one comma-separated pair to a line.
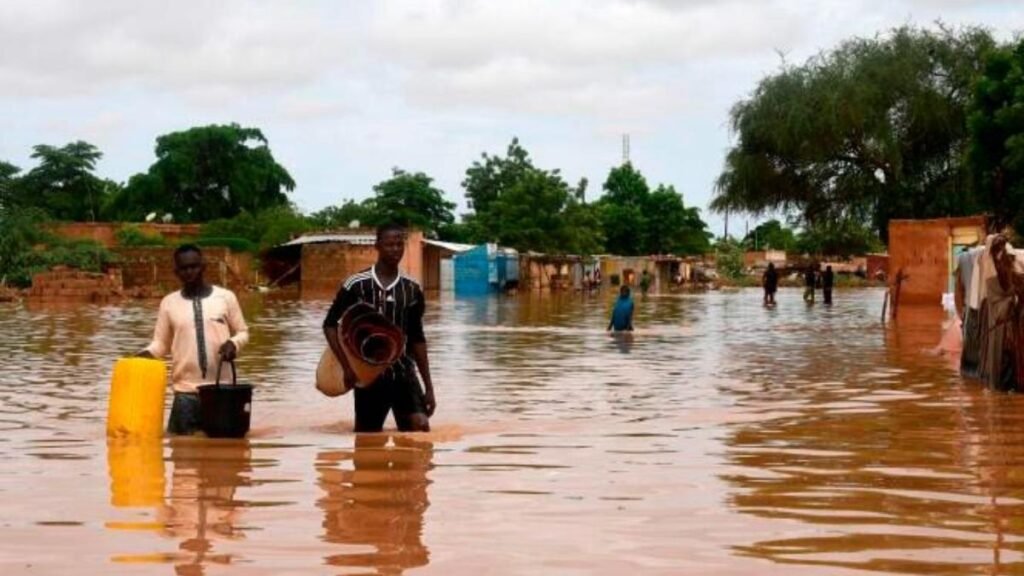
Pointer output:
x,y
722,439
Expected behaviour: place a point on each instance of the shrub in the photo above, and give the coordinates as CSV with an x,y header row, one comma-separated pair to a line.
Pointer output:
x,y
234,244
131,235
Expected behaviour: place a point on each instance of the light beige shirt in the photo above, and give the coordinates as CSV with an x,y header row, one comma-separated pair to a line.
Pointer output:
x,y
175,336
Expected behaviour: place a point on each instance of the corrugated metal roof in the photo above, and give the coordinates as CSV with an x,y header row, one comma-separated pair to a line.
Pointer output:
x,y
450,246
346,238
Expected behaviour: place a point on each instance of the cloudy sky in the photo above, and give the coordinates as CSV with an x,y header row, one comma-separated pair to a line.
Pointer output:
x,y
346,90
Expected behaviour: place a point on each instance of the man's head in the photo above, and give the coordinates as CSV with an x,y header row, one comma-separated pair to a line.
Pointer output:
x,y
624,292
189,265
390,243
828,268
771,266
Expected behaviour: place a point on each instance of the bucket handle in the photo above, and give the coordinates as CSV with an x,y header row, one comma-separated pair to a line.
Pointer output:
x,y
234,372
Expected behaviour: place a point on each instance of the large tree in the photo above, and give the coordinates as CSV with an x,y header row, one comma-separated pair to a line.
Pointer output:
x,y
997,136
770,235
63,184
412,200
873,130
8,178
205,173
638,221
519,205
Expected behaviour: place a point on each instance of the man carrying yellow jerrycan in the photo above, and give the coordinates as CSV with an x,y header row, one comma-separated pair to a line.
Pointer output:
x,y
198,327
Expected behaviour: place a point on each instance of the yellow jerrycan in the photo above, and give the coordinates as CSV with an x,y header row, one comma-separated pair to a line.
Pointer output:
x,y
137,398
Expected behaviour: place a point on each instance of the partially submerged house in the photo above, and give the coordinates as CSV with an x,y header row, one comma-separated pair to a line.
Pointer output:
x,y
320,261
439,264
923,255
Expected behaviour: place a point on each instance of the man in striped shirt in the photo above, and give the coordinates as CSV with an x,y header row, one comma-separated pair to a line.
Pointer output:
x,y
401,300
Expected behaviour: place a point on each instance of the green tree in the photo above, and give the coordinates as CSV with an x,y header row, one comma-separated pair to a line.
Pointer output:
x,y
208,172
8,180
412,200
997,136
343,216
261,230
489,178
63,183
517,204
622,211
873,130
848,238
770,235
729,258
671,227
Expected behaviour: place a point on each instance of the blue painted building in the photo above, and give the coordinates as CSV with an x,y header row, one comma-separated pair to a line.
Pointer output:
x,y
485,269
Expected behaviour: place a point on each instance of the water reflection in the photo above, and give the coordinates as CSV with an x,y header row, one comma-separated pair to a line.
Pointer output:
x,y
899,468
374,502
200,508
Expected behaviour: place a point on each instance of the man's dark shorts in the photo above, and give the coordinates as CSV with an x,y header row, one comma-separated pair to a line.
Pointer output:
x,y
185,415
396,393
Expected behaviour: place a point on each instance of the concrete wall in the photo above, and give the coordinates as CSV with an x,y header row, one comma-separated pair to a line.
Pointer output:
x,y
922,249
106,232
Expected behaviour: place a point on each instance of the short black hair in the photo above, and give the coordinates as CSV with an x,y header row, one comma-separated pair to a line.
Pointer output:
x,y
389,227
624,291
186,248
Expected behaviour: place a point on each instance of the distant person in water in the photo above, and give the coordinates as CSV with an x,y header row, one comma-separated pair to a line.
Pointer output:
x,y
197,326
810,279
770,282
401,300
622,314
645,282
828,280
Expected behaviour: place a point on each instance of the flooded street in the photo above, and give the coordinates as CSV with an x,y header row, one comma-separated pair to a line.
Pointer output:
x,y
723,438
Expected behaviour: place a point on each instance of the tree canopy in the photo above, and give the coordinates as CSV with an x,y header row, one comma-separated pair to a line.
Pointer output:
x,y
770,235
638,221
63,184
412,200
206,173
873,130
997,135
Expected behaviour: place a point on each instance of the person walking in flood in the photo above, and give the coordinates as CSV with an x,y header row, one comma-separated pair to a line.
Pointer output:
x,y
197,326
828,280
810,280
645,282
622,313
770,282
400,299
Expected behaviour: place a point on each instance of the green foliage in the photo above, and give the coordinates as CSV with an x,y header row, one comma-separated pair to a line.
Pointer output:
x,y
411,199
519,205
997,136
870,131
206,173
234,244
847,238
338,217
770,235
62,184
131,235
638,221
257,231
729,258
8,178
26,249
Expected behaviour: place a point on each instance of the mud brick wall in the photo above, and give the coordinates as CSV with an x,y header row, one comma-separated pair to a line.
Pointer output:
x,y
153,268
70,285
106,232
922,249
325,265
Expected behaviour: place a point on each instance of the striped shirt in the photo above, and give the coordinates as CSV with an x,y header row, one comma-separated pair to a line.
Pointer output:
x,y
402,302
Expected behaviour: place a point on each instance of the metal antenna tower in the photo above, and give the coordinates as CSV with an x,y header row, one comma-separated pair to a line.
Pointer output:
x,y
625,148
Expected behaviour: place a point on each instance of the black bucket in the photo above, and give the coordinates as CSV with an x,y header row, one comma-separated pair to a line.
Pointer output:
x,y
225,410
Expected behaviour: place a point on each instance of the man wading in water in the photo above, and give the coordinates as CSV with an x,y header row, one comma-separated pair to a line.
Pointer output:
x,y
197,326
400,300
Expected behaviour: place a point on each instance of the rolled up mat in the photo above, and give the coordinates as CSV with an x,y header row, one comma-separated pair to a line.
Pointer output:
x,y
371,343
